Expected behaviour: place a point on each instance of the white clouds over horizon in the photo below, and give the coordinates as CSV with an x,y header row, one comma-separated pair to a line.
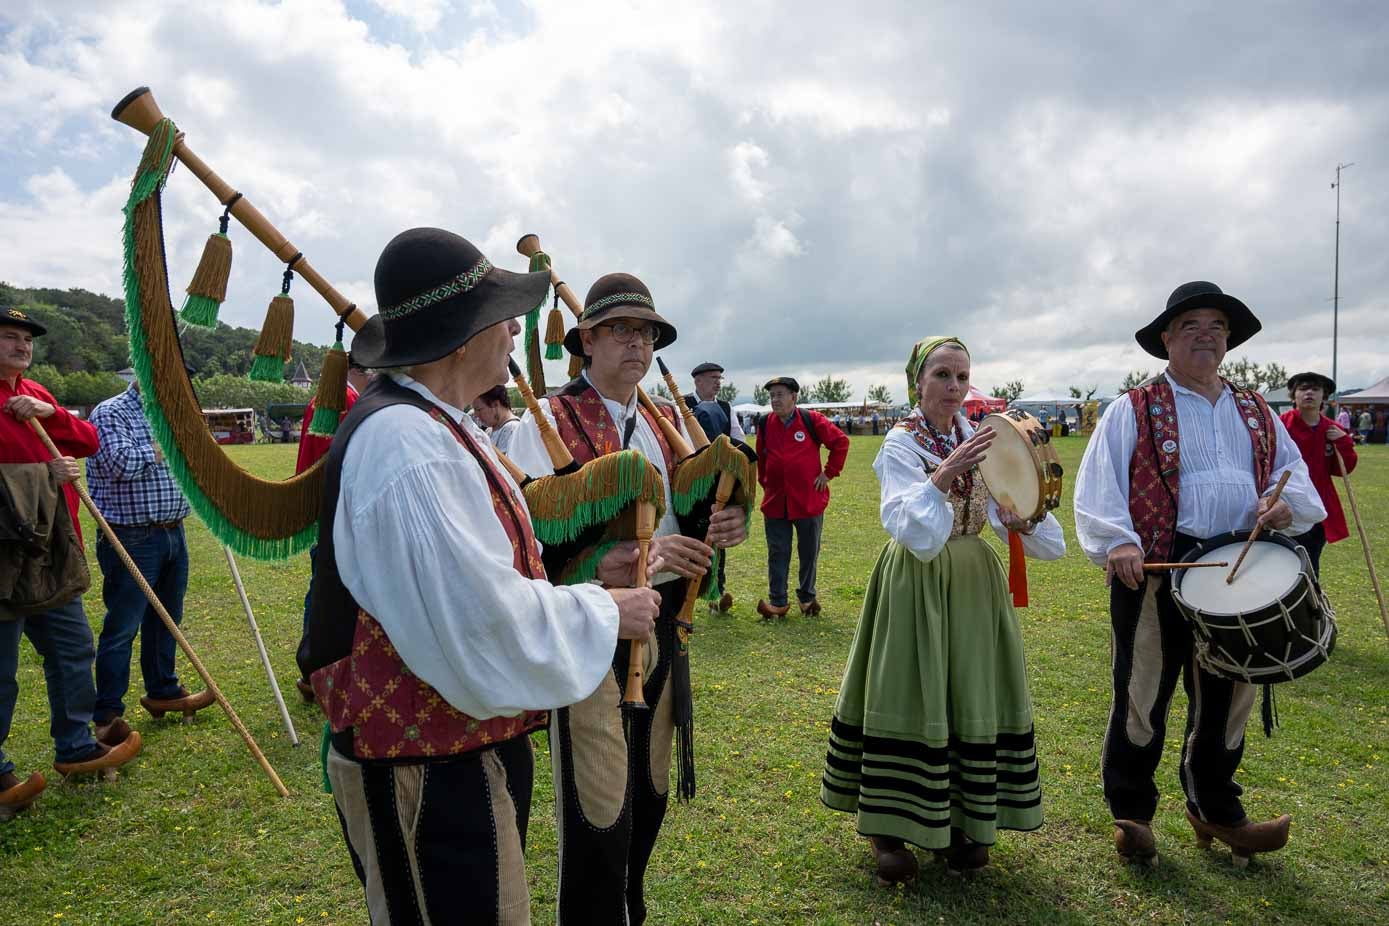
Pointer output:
x,y
805,194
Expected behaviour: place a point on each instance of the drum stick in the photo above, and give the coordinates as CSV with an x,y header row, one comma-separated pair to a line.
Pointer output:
x,y
1167,567
1258,526
1364,541
169,624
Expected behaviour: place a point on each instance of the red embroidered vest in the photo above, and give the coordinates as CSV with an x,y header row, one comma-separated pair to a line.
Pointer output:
x,y
587,429
1154,470
392,713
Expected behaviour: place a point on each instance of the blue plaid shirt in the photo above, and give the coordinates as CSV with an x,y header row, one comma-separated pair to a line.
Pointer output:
x,y
129,486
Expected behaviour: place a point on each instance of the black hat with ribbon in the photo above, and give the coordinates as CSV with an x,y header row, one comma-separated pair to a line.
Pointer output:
x,y
1199,295
22,320
435,291
618,295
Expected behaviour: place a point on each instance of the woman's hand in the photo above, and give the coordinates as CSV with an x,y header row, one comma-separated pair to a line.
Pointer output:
x,y
963,458
1017,525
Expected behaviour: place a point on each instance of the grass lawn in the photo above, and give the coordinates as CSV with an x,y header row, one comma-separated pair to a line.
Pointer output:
x,y
194,833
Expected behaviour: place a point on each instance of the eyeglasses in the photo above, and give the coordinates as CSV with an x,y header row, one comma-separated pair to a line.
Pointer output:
x,y
623,333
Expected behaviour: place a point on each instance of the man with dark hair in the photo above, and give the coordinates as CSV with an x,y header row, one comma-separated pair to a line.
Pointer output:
x,y
716,417
60,635
493,409
795,492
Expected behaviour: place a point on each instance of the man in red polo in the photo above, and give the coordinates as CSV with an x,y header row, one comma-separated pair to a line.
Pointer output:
x,y
1319,438
795,491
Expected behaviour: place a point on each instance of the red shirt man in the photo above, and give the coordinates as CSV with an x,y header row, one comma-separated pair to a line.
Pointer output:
x,y
1318,437
312,447
795,491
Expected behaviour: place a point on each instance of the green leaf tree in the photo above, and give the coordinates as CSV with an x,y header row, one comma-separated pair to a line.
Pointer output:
x,y
829,389
880,393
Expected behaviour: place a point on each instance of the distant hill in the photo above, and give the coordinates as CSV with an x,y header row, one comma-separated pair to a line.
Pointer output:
x,y
86,333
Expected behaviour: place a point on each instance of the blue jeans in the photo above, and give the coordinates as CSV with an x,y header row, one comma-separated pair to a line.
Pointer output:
x,y
779,532
162,557
63,639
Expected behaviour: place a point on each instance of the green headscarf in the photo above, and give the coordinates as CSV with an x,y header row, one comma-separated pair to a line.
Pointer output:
x,y
920,352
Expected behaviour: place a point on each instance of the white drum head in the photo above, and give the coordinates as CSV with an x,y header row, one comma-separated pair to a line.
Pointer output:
x,y
1010,471
1267,574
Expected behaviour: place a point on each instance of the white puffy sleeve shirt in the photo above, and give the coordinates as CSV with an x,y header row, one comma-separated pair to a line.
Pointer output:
x,y
419,546
1216,492
920,516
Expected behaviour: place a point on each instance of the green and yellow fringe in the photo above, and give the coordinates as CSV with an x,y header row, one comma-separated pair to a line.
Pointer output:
x,y
563,507
290,508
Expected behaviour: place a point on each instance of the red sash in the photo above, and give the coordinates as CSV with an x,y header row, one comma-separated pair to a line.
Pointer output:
x,y
1155,466
394,714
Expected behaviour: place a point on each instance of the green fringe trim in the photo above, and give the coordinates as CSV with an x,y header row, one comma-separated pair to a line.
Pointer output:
x,y
585,568
148,182
539,261
324,422
695,478
323,756
552,351
563,507
711,578
200,311
267,369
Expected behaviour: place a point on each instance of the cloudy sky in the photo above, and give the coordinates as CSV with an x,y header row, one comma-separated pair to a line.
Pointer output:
x,y
806,187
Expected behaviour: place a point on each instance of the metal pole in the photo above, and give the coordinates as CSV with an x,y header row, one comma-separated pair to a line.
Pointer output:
x,y
1336,278
260,645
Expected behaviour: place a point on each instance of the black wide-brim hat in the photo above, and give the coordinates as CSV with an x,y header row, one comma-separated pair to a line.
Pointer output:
x,y
618,295
22,320
434,292
1199,294
1327,384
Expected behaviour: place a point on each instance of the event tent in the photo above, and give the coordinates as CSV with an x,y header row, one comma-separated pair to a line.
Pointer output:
x,y
1378,394
977,400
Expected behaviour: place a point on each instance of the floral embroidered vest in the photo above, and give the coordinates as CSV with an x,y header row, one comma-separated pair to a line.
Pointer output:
x,y
587,429
1154,470
390,712
968,495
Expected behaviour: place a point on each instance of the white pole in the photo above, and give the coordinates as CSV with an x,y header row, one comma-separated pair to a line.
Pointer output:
x,y
260,645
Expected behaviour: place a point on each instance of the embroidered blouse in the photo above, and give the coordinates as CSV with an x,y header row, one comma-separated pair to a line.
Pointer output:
x,y
923,519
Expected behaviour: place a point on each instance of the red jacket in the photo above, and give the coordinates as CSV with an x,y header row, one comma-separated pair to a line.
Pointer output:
x,y
788,460
19,444
312,447
1321,464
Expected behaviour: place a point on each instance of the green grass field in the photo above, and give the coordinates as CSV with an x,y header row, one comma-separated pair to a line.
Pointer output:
x,y
194,833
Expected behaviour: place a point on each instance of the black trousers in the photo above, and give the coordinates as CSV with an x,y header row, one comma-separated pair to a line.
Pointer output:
x,y
1314,541
1151,647
612,785
779,530
431,839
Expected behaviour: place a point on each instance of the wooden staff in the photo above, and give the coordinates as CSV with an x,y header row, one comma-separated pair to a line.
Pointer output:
x,y
1168,567
164,615
698,438
527,246
1258,526
1364,541
646,526
260,645
139,111
560,457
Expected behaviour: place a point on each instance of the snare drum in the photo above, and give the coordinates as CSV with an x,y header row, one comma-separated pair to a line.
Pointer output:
x,y
1272,624
1022,470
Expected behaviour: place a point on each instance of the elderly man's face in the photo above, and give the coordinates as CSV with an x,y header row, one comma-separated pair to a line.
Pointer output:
x,y
782,399
16,349
619,348
1196,339
707,385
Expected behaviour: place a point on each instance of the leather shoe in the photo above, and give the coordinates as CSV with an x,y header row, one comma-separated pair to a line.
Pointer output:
x,y
771,611
1245,839
305,690
1135,843
185,703
106,761
966,857
811,608
15,795
896,862
725,602
113,732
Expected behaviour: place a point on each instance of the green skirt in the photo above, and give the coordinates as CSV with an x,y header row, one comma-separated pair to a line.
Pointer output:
x,y
933,727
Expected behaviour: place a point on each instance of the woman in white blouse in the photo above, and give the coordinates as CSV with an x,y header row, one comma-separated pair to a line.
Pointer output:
x,y
932,740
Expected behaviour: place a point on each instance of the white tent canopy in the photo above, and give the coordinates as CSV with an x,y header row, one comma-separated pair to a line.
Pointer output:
x,y
1378,394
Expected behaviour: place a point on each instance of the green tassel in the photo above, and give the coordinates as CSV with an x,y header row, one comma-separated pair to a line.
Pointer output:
x,y
585,568
554,351
324,422
267,369
711,578
200,311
